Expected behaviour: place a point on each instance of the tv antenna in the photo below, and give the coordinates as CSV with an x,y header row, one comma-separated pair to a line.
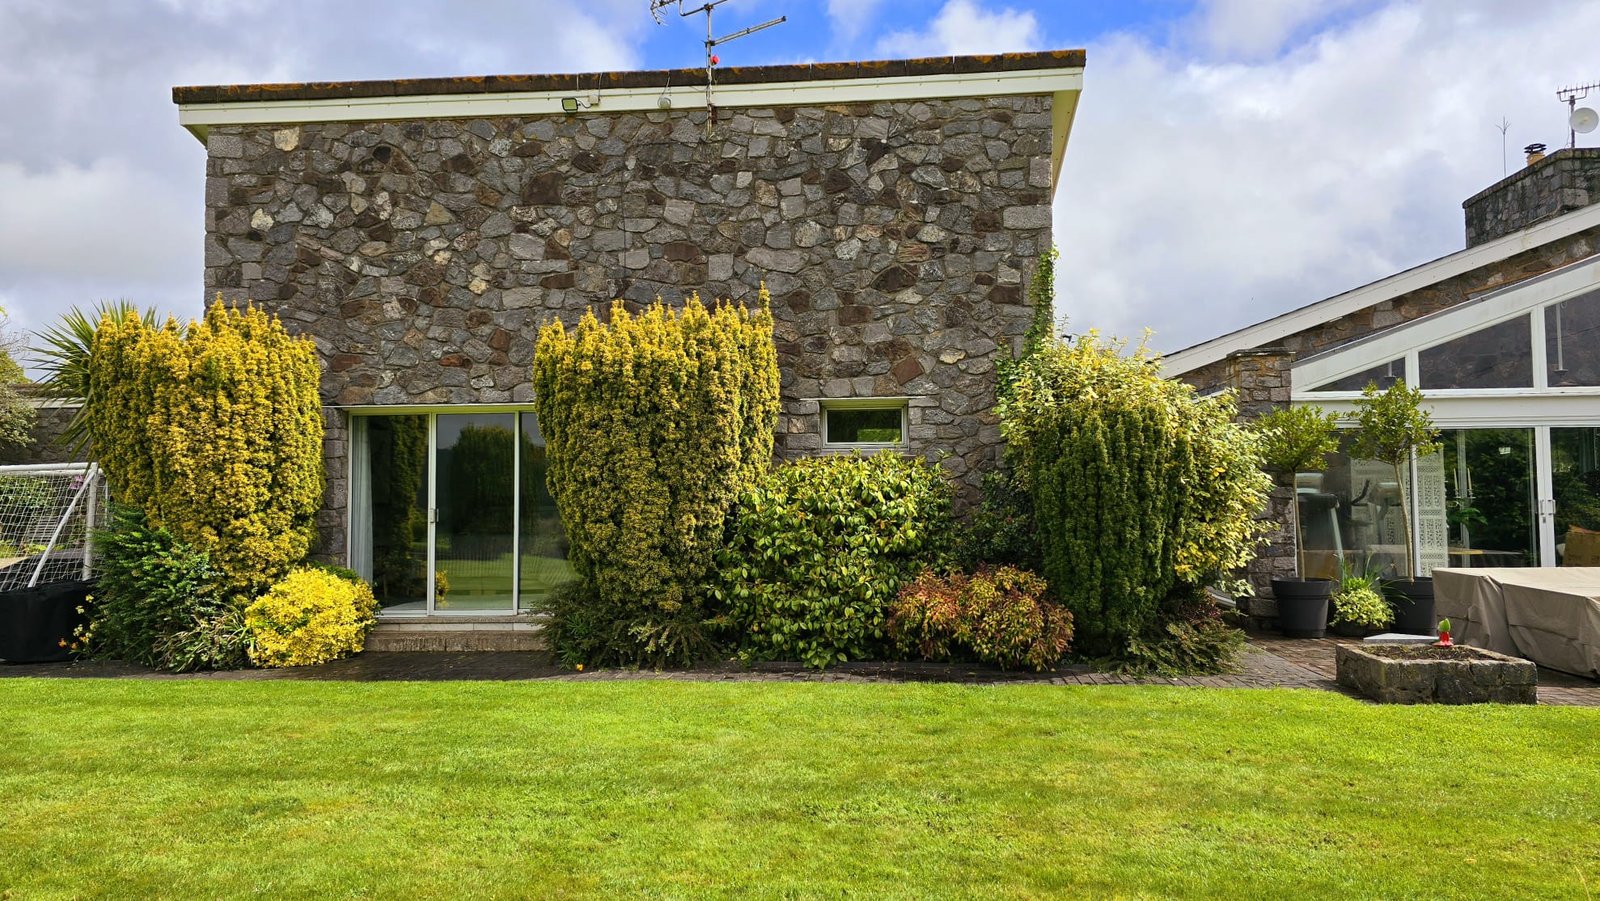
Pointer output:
x,y
1503,127
656,7
1580,119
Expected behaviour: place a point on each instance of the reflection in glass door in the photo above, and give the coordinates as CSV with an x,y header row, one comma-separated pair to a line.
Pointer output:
x,y
1489,510
1575,484
474,539
450,512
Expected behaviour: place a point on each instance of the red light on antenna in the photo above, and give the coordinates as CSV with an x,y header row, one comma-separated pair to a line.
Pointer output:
x,y
715,59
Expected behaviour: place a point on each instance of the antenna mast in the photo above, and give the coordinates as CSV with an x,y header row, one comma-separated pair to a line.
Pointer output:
x,y
1572,95
656,6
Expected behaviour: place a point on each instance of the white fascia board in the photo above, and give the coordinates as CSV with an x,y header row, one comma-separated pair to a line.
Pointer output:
x,y
1063,84
199,116
1395,343
1500,411
1416,278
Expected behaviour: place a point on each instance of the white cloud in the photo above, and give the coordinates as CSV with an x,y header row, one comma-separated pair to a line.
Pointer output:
x,y
850,18
1253,28
963,27
1202,194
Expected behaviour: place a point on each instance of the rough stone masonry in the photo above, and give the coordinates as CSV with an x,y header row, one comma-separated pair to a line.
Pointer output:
x,y
422,256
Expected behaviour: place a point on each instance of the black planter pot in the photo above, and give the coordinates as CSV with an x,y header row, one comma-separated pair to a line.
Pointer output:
x,y
1302,606
1350,630
1412,601
35,621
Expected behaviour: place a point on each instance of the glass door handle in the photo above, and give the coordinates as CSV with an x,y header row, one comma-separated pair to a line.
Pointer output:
x,y
1547,508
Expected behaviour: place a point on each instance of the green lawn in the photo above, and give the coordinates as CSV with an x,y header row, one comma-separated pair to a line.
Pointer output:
x,y
669,789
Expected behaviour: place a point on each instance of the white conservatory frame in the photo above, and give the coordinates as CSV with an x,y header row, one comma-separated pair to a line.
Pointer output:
x,y
1539,407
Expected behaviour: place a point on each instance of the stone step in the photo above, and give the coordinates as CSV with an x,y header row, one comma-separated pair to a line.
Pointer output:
x,y
456,636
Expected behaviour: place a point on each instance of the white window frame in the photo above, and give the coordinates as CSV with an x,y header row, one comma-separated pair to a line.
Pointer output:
x,y
827,404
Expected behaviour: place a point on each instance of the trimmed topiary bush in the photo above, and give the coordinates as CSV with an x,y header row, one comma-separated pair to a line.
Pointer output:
x,y
309,616
999,616
820,547
215,430
654,423
1141,490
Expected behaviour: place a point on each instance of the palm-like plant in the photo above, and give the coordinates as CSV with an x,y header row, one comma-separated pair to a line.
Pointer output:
x,y
63,357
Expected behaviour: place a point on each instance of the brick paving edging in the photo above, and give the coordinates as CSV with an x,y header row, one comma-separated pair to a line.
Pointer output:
x,y
1268,662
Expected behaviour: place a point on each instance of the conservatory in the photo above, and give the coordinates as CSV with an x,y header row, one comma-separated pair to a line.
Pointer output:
x,y
1512,378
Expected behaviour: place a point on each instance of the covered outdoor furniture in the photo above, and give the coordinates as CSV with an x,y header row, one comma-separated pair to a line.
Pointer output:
x,y
1548,615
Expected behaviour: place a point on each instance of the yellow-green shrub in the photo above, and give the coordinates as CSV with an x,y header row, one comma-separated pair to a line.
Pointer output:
x,y
309,616
654,423
215,430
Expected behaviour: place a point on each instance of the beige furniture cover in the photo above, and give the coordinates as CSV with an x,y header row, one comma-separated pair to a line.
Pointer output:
x,y
1548,615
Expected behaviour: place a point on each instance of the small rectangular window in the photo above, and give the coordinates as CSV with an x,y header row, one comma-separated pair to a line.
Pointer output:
x,y
853,424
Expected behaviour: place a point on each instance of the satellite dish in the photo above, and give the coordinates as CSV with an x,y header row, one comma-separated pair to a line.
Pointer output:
x,y
1583,120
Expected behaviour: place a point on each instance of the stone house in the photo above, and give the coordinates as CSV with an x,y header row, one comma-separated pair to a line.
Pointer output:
x,y
1503,339
420,231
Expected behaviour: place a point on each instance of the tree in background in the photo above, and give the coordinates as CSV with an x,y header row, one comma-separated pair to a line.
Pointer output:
x,y
63,356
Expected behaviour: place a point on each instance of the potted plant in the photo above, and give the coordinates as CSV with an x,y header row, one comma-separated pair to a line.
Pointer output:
x,y
1393,428
1358,605
1296,440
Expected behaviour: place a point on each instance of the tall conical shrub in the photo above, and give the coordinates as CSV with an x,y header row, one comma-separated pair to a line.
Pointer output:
x,y
215,431
654,423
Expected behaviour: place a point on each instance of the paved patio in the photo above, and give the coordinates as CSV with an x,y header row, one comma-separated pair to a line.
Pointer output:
x,y
1268,662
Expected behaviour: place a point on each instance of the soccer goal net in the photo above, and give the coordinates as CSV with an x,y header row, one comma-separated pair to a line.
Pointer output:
x,y
48,514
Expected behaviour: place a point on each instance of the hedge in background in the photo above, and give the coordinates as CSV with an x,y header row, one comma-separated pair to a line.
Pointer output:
x,y
653,424
1140,489
819,548
215,430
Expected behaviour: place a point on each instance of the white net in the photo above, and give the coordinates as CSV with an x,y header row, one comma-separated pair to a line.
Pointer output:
x,y
48,514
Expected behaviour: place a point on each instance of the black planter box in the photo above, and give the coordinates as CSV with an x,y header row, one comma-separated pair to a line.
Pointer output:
x,y
35,621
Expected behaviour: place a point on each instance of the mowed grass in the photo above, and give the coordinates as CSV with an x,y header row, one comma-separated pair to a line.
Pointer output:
x,y
672,789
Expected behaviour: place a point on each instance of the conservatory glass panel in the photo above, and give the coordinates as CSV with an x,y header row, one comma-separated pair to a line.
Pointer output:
x,y
1500,356
474,538
1350,516
1572,342
1490,507
1383,376
1575,471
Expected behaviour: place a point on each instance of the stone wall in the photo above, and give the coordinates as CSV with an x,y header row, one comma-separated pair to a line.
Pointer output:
x,y
421,256
47,446
1564,181
1260,381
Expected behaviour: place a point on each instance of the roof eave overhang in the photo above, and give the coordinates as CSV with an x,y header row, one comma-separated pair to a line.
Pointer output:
x,y
1062,84
1414,279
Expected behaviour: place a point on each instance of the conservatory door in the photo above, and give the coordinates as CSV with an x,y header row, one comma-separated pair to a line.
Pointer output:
x,y
1571,508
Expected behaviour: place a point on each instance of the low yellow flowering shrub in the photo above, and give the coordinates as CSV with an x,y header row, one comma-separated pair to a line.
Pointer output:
x,y
309,616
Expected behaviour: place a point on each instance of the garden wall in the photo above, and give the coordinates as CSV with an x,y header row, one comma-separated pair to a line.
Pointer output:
x,y
422,255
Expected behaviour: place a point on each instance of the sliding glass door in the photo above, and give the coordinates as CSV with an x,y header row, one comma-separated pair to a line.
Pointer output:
x,y
450,514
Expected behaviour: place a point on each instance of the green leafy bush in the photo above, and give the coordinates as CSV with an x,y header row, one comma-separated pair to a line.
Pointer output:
x,y
998,616
1002,531
1190,640
160,602
819,548
1140,489
586,631
1359,599
654,423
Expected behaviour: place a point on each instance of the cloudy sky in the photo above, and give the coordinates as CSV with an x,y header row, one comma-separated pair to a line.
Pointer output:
x,y
1232,159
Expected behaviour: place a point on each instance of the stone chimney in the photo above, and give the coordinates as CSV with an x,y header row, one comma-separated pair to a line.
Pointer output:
x,y
1549,186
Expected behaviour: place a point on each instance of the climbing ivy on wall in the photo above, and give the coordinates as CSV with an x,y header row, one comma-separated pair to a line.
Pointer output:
x,y
215,431
654,423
